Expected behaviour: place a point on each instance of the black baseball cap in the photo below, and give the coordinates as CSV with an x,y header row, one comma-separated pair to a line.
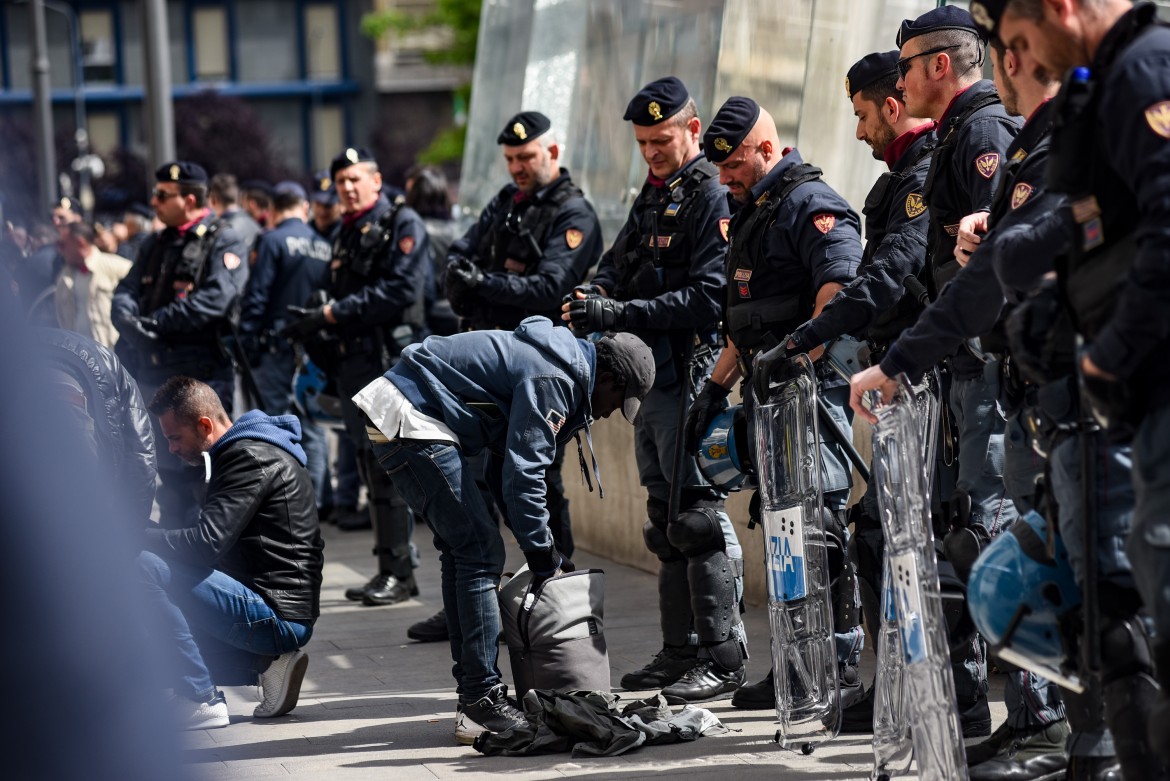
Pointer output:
x,y
636,361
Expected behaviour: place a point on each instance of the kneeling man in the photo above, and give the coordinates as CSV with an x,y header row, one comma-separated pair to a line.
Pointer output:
x,y
517,394
238,592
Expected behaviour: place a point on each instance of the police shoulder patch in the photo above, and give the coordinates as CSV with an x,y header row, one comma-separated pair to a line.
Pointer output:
x,y
724,224
1020,194
915,205
406,245
824,222
987,164
231,260
1158,118
573,238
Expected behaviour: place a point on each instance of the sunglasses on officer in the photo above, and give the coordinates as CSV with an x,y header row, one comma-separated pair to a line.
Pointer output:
x,y
163,195
903,65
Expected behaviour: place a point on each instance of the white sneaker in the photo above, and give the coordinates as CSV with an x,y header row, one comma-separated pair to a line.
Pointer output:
x,y
281,684
206,715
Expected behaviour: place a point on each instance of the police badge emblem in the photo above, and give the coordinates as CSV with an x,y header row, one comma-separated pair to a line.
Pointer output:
x,y
655,110
231,260
1020,194
406,245
573,238
914,205
174,172
722,145
352,155
724,224
519,131
1158,118
848,94
824,222
987,164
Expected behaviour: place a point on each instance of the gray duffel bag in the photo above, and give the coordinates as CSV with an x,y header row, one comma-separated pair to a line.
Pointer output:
x,y
556,632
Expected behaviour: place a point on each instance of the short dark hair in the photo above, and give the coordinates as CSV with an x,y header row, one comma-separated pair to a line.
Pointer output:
x,y
225,189
885,87
197,190
284,202
607,362
428,193
967,48
81,230
189,399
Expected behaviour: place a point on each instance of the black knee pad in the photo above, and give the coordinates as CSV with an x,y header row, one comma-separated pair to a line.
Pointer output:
x,y
658,544
1125,650
697,530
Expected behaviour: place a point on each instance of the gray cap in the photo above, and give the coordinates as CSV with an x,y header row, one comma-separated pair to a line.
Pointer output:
x,y
637,364
289,187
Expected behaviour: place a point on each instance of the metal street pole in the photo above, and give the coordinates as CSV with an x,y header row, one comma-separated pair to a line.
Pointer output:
x,y
159,108
43,110
82,163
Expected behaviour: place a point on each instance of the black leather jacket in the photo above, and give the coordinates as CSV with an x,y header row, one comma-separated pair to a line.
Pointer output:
x,y
258,525
125,442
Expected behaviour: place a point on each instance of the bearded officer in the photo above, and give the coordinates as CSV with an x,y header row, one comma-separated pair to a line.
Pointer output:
x,y
795,243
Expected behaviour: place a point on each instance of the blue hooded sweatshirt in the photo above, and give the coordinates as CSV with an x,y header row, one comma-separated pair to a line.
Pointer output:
x,y
516,393
284,431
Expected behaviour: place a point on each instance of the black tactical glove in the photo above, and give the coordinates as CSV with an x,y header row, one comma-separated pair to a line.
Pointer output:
x,y
545,563
307,322
142,331
767,366
581,292
597,314
712,400
456,284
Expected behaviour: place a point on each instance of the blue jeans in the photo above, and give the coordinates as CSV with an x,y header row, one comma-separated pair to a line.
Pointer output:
x,y
980,420
435,480
220,631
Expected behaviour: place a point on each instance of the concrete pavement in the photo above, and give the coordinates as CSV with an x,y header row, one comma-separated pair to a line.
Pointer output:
x,y
376,705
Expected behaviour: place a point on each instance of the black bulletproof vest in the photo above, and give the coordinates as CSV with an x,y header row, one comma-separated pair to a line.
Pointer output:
x,y
940,259
1105,210
655,258
878,205
176,266
515,242
775,309
358,254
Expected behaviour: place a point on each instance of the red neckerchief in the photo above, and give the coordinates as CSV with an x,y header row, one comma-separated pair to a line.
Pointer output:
x,y
943,119
654,180
349,219
182,229
519,196
899,145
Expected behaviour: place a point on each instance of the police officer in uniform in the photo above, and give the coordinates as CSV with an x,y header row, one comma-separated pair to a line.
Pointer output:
x,y
875,305
291,261
532,244
1030,743
1111,154
661,279
173,309
375,289
326,211
794,244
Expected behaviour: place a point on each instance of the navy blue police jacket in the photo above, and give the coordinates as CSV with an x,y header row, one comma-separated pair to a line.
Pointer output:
x,y
291,262
514,288
973,300
188,311
693,304
895,247
814,239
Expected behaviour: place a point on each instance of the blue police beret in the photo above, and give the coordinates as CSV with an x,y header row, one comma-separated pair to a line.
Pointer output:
x,y
870,69
182,172
949,17
351,155
322,190
734,120
289,187
987,13
141,209
524,127
657,101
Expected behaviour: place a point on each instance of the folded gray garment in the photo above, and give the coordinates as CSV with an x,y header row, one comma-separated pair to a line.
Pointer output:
x,y
588,724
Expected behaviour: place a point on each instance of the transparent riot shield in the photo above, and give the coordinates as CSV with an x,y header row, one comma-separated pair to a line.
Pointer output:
x,y
892,746
904,502
800,608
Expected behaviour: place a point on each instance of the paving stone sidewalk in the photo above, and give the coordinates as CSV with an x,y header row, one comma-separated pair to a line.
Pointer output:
x,y
376,705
